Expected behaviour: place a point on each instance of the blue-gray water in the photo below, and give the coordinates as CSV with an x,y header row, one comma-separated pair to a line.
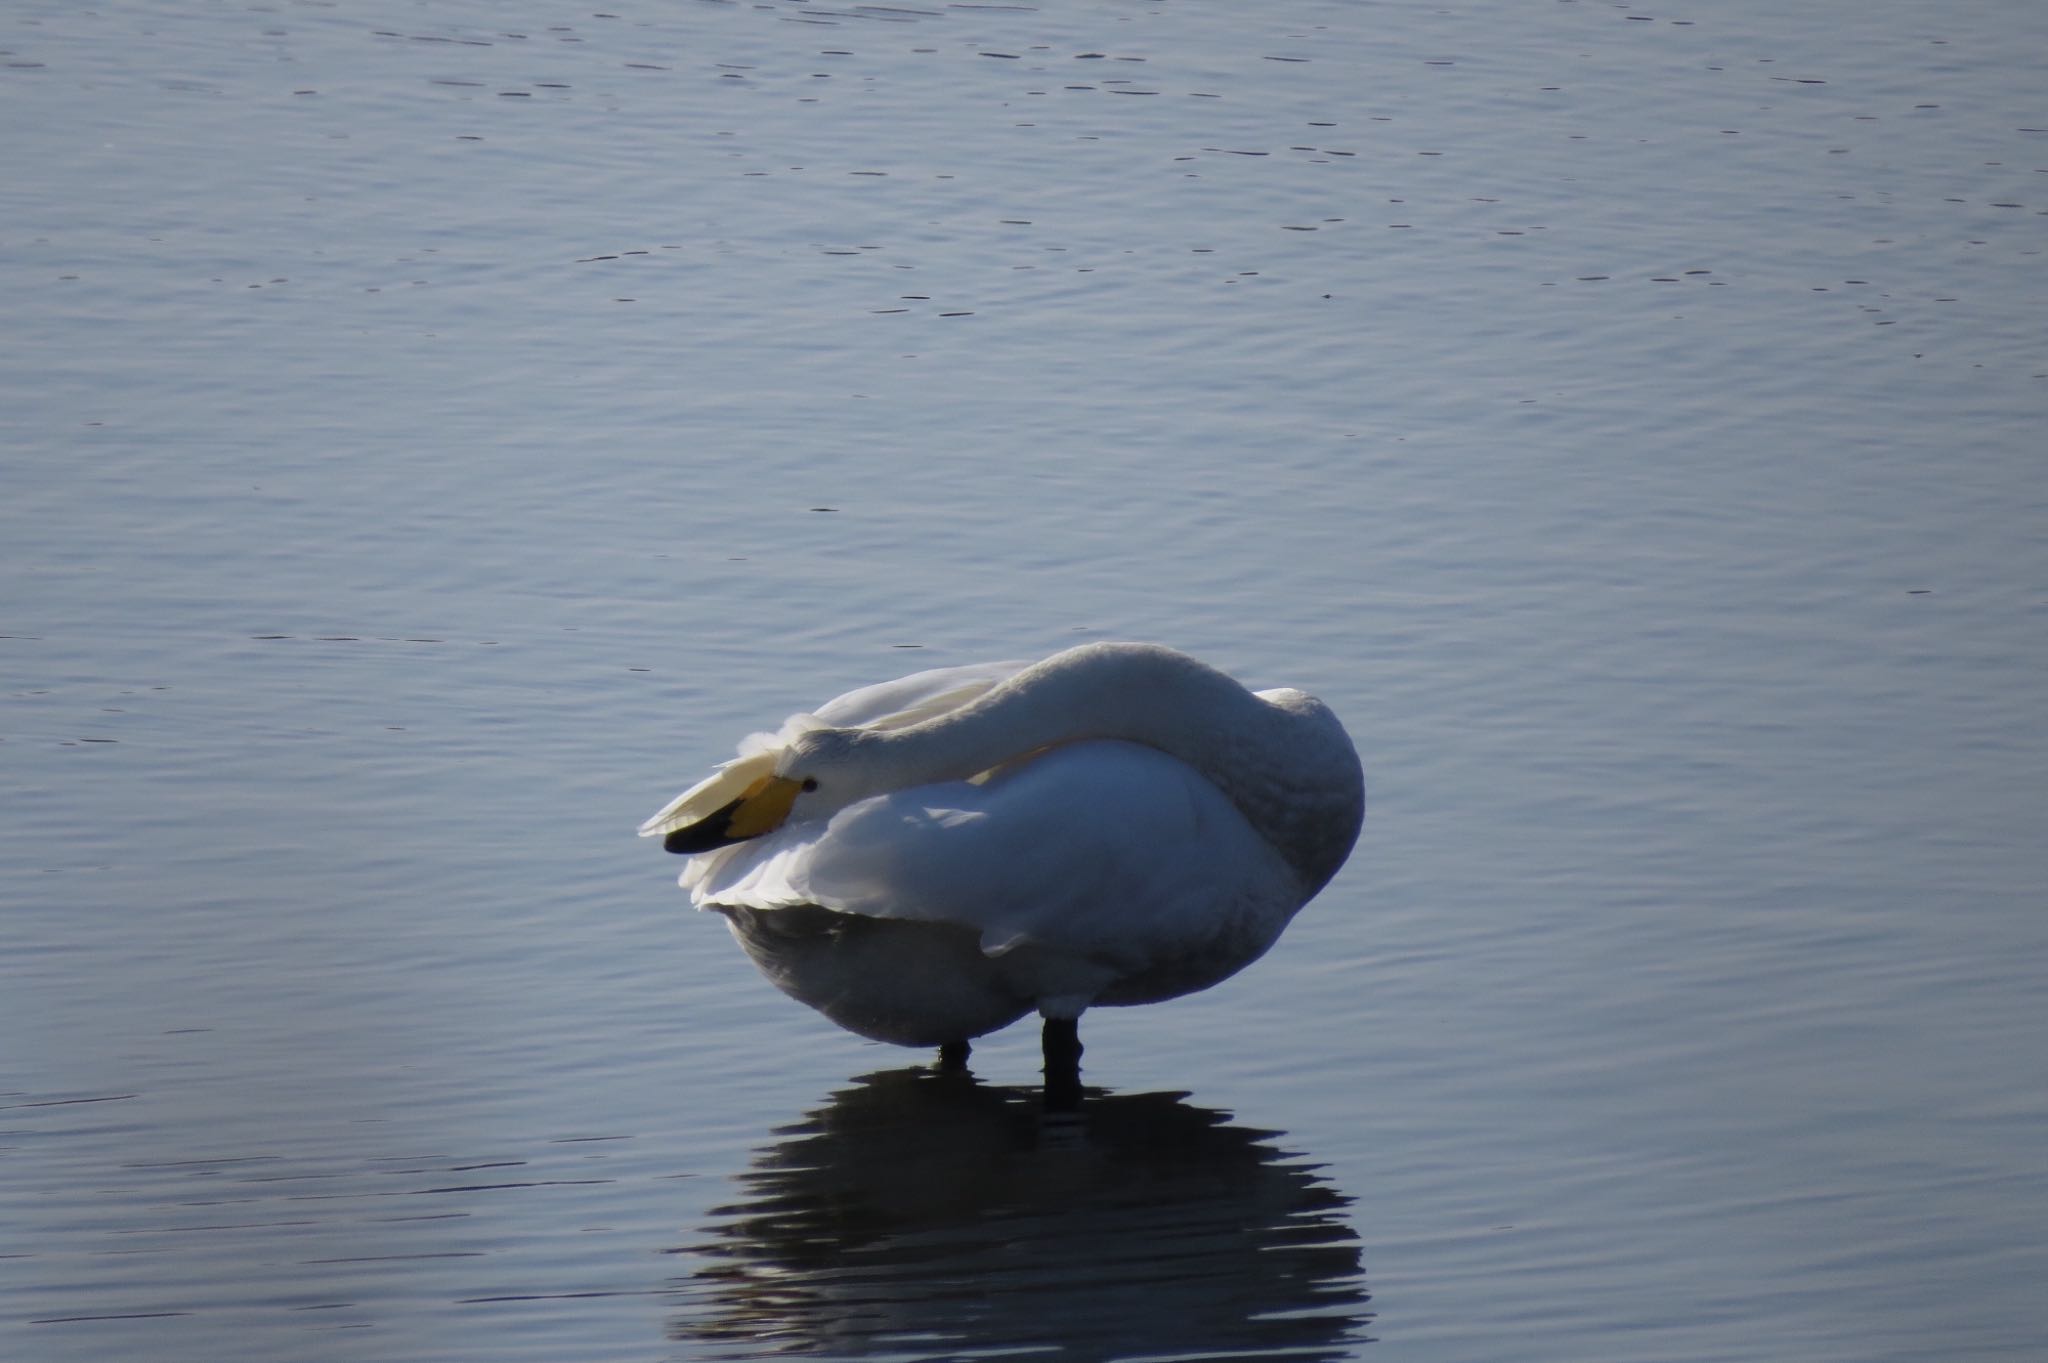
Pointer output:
x,y
434,431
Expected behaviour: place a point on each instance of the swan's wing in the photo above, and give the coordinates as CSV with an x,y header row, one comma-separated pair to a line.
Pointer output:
x,y
885,705
1103,849
917,697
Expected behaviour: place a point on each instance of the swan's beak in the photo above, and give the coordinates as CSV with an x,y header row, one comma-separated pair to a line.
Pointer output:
x,y
761,810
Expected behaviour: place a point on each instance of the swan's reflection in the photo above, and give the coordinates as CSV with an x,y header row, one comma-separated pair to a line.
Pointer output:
x,y
925,1214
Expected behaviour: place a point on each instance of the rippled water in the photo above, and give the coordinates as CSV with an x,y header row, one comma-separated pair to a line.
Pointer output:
x,y
435,431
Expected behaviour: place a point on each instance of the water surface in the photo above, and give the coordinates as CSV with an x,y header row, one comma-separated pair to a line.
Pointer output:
x,y
435,432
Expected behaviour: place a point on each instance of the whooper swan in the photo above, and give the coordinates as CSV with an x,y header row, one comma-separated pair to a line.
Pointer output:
x,y
928,859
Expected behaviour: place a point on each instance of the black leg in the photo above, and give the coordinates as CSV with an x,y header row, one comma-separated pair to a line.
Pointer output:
x,y
1062,1040
953,1056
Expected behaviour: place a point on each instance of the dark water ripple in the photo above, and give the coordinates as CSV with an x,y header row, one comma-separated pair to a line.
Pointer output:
x,y
931,1214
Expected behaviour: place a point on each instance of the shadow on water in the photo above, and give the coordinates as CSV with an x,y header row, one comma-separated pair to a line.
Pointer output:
x,y
924,1214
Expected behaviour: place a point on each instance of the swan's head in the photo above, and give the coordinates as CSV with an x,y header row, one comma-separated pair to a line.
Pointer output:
x,y
818,772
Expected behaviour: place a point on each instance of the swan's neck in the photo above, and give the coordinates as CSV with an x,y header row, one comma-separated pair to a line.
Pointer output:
x,y
1287,765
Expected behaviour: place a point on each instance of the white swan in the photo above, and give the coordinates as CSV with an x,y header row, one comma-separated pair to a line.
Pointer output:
x,y
926,860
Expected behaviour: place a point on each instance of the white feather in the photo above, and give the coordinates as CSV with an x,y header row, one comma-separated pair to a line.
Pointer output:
x,y
1103,849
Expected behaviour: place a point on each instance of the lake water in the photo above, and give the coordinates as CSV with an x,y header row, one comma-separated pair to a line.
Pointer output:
x,y
434,431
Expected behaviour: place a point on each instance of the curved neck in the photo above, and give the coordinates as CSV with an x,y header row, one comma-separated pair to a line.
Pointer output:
x,y
1286,764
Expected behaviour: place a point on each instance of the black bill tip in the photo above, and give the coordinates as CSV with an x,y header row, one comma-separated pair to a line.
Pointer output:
x,y
708,834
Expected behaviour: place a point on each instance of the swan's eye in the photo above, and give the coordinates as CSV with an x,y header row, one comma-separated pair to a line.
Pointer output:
x,y
810,783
